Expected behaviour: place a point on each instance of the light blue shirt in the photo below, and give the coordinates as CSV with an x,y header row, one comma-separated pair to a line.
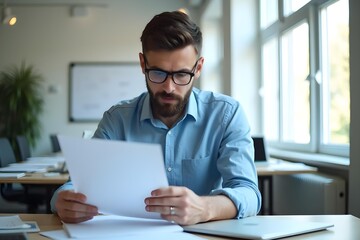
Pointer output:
x,y
209,150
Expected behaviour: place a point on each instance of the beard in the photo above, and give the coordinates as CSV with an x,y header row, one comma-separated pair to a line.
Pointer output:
x,y
167,110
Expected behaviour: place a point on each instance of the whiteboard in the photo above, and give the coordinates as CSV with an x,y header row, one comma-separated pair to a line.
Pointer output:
x,y
95,87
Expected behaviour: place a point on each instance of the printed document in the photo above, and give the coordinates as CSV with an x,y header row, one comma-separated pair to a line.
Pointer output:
x,y
115,176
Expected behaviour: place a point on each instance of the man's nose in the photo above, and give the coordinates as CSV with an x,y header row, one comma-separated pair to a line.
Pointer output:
x,y
169,84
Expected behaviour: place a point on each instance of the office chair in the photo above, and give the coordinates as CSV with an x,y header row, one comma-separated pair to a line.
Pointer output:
x,y
24,147
21,193
55,143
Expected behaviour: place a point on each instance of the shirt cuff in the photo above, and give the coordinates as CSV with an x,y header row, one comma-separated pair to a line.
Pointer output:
x,y
66,186
247,201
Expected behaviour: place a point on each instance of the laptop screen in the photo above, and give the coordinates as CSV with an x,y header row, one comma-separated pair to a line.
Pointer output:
x,y
260,149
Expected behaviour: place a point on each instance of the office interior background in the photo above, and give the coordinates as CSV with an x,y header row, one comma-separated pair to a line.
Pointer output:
x,y
250,54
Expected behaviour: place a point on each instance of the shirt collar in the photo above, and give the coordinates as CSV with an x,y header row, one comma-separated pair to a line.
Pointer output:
x,y
191,108
146,109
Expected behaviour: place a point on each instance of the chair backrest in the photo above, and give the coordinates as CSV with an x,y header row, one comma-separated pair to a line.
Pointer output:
x,y
55,143
24,147
7,155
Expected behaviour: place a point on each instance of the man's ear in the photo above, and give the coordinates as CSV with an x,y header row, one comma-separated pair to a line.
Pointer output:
x,y
142,62
199,67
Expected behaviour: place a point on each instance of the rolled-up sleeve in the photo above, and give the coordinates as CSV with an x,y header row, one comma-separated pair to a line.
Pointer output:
x,y
236,165
66,186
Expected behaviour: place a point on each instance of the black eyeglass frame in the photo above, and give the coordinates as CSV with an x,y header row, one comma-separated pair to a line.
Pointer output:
x,y
191,74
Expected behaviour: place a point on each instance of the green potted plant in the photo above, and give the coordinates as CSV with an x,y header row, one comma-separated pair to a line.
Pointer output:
x,y
21,103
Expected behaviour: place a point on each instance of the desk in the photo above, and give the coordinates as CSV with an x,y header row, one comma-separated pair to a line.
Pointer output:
x,y
38,178
51,183
272,168
346,227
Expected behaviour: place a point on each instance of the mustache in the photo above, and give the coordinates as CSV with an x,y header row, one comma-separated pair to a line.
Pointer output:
x,y
167,95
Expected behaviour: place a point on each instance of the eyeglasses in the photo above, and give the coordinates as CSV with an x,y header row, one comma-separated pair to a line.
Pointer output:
x,y
159,76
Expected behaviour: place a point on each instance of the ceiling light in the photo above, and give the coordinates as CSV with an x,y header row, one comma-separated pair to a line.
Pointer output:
x,y
183,10
7,18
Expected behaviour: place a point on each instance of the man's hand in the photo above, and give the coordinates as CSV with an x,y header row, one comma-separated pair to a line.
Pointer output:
x,y
178,204
71,207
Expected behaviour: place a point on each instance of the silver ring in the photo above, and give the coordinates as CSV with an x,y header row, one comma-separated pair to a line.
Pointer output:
x,y
172,210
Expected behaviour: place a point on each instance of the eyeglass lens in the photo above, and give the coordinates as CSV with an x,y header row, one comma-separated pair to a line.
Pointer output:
x,y
178,77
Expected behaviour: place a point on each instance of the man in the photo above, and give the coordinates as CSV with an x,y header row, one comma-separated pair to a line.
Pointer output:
x,y
205,136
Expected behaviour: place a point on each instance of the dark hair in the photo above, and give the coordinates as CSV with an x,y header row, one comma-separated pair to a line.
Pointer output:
x,y
170,31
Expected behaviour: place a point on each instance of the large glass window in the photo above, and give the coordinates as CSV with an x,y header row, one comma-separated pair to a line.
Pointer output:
x,y
335,68
269,10
295,87
305,76
270,89
291,6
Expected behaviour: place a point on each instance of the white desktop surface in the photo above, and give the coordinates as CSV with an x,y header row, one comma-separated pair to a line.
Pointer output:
x,y
346,227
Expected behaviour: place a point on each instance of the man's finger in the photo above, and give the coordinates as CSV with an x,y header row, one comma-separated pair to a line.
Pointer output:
x,y
173,191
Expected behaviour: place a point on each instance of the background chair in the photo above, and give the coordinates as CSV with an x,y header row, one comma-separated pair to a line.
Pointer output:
x,y
15,192
24,147
87,134
55,143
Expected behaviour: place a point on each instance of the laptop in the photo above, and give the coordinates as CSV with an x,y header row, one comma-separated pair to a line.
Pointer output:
x,y
260,151
258,227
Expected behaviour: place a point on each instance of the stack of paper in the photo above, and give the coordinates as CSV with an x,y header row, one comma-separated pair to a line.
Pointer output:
x,y
35,164
11,175
118,227
13,224
57,160
23,168
109,226
54,163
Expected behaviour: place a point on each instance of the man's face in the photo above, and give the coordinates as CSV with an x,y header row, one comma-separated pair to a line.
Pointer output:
x,y
168,99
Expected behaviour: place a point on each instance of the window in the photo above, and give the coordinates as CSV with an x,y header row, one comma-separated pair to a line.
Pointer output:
x,y
335,93
305,75
295,87
291,6
271,86
269,11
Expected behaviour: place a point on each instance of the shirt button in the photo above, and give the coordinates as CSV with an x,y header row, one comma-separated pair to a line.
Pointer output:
x,y
169,132
169,169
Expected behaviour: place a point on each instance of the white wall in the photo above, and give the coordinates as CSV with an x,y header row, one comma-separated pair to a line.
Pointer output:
x,y
49,38
232,63
245,58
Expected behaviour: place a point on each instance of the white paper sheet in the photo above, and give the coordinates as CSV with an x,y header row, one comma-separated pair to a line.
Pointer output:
x,y
112,226
115,176
56,235
12,222
61,235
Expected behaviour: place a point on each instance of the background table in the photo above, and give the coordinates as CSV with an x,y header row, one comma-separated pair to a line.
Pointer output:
x,y
49,182
266,172
39,178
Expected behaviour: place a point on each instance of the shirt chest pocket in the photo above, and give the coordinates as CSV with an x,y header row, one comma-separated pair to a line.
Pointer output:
x,y
199,175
